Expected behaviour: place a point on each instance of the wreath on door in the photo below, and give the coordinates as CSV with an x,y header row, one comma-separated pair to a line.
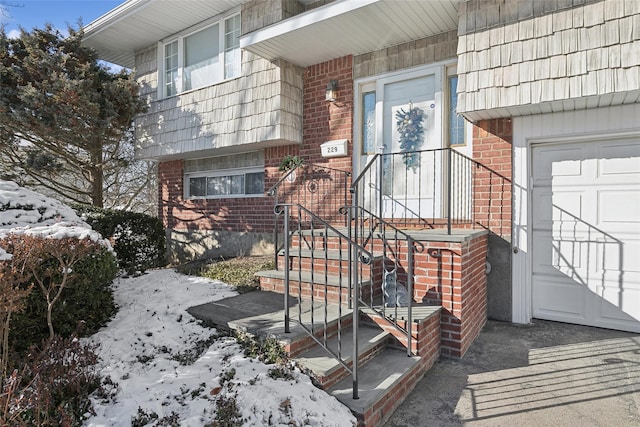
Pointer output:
x,y
409,124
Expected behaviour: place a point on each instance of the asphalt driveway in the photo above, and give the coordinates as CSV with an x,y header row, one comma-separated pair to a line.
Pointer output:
x,y
543,374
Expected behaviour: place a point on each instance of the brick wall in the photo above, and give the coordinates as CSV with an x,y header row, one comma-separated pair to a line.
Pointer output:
x,y
253,214
452,274
322,185
492,146
473,296
323,120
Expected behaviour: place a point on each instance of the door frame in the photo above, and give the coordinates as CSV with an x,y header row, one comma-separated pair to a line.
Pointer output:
x,y
379,80
377,83
588,126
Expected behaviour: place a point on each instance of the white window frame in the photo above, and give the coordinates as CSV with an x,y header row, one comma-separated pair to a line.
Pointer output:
x,y
451,71
180,38
219,173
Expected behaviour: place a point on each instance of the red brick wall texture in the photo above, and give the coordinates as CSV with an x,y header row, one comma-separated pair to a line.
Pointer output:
x,y
452,274
323,121
492,143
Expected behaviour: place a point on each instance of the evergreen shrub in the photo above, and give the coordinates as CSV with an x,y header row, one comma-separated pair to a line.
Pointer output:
x,y
87,300
138,239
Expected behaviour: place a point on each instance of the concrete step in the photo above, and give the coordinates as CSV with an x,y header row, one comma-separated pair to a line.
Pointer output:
x,y
383,384
331,254
330,239
326,370
335,287
261,314
425,325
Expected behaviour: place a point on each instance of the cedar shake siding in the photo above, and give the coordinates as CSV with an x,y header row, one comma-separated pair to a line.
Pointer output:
x,y
261,108
524,57
424,51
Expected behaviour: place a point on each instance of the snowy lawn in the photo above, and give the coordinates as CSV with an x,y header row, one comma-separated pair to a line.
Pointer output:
x,y
150,353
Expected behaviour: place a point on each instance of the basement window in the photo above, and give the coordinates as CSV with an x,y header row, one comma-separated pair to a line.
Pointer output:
x,y
240,175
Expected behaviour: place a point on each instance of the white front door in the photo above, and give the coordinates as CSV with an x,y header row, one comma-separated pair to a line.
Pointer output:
x,y
403,113
585,261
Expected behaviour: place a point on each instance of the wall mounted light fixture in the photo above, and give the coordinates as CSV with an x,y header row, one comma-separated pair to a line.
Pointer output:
x,y
332,91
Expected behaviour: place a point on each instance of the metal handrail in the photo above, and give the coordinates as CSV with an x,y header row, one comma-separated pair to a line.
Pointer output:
x,y
357,180
442,190
310,188
364,257
381,221
478,164
274,188
413,246
279,210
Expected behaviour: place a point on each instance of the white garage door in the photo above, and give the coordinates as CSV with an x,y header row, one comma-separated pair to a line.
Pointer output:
x,y
586,233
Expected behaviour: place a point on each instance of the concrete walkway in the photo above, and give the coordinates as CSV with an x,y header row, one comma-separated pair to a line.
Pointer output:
x,y
543,374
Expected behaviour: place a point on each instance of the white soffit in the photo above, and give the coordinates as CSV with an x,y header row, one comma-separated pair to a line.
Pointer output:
x,y
137,24
346,27
585,102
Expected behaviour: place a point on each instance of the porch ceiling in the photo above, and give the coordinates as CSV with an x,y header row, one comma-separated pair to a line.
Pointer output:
x,y
137,24
351,27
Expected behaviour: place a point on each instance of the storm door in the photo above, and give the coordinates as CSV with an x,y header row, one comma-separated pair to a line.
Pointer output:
x,y
401,119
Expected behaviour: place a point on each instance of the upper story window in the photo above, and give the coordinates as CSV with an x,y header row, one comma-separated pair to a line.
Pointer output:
x,y
201,58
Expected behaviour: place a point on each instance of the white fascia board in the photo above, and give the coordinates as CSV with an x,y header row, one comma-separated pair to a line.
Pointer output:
x,y
303,20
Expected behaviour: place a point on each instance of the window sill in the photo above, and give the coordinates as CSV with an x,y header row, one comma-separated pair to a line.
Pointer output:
x,y
187,92
239,196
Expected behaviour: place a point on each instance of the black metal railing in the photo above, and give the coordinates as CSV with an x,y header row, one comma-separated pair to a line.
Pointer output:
x,y
430,189
388,298
319,283
434,189
320,189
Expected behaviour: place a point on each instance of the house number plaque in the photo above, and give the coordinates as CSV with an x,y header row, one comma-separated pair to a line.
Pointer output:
x,y
336,148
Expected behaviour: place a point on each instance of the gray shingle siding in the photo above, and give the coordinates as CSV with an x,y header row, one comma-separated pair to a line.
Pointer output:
x,y
589,50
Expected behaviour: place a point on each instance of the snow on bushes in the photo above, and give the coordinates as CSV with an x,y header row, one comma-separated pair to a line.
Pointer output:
x,y
55,246
21,207
23,211
58,274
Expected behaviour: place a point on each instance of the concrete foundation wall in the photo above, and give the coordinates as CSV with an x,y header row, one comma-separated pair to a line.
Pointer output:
x,y
188,245
492,146
499,305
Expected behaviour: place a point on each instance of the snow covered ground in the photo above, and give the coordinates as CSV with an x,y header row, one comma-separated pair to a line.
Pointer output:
x,y
143,350
164,368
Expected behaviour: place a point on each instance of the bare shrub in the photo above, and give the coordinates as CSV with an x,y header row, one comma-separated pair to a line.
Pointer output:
x,y
53,386
49,263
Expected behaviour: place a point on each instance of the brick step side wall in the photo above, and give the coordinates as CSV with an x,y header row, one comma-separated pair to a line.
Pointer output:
x,y
331,266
